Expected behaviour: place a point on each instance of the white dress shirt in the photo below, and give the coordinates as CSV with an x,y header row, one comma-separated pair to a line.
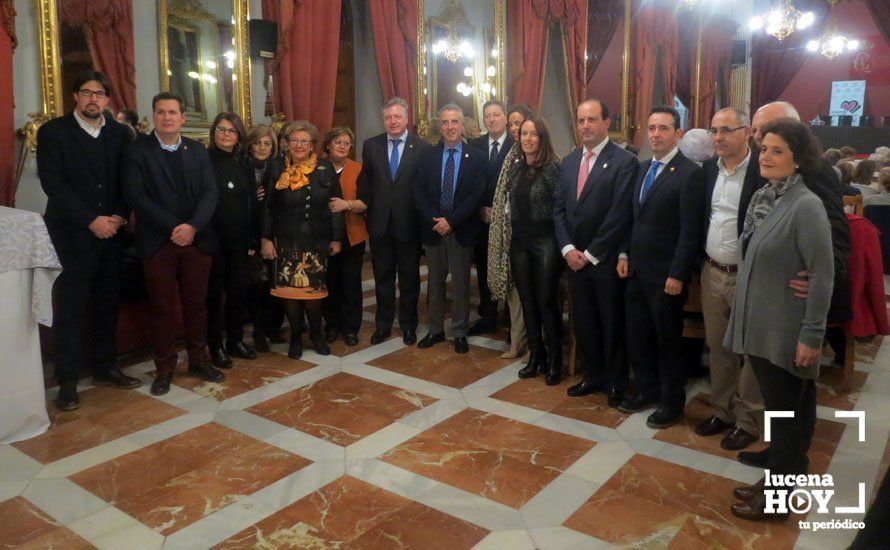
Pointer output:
x,y
500,141
722,242
85,125
597,150
389,144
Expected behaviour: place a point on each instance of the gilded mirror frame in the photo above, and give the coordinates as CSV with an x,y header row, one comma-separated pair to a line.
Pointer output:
x,y
242,56
50,75
422,111
623,133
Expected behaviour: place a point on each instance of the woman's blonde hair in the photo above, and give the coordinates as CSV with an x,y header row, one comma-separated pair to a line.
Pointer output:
x,y
258,132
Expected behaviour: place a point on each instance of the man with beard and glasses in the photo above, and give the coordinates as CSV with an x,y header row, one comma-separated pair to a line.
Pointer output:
x,y
78,162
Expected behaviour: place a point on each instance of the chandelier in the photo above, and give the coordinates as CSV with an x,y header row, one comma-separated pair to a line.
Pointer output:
x,y
831,44
782,20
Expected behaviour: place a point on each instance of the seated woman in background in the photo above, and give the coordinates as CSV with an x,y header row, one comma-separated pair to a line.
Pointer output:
x,y
884,196
300,232
866,175
785,231
535,261
845,171
343,306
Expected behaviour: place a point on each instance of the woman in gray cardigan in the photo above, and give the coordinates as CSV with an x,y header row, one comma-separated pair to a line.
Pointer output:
x,y
786,231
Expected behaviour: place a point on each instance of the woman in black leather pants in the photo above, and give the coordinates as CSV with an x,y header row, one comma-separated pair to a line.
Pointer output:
x,y
535,261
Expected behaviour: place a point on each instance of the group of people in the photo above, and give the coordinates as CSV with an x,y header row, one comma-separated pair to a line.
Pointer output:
x,y
270,224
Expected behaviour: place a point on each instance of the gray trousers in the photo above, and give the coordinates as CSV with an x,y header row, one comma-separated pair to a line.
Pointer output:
x,y
735,392
448,256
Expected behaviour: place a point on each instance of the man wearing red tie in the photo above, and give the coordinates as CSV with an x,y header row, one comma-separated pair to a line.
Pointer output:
x,y
592,219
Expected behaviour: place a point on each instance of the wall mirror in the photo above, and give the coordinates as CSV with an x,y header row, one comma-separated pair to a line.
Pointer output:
x,y
460,58
609,61
202,54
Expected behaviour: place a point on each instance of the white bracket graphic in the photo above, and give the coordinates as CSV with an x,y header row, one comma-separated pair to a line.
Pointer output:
x,y
854,414
767,420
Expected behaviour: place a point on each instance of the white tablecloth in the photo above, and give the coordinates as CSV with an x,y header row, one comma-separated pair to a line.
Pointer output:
x,y
28,268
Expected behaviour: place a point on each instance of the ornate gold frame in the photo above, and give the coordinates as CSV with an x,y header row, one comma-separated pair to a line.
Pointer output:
x,y
240,12
422,106
623,133
50,78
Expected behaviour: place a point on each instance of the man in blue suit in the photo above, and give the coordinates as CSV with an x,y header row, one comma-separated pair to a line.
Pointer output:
x,y
663,249
592,219
448,193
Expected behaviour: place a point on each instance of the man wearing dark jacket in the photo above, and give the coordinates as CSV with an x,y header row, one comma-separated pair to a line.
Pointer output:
x,y
664,248
78,162
169,183
495,144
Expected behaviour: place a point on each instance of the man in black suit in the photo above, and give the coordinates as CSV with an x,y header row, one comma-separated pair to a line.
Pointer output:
x,y
593,218
385,186
731,178
495,144
664,247
78,162
448,194
169,182
825,184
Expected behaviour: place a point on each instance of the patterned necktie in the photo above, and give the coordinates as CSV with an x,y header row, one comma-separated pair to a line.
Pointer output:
x,y
584,172
650,179
394,158
448,184
492,158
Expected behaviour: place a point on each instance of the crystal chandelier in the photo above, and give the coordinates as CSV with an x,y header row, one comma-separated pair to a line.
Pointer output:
x,y
782,20
831,44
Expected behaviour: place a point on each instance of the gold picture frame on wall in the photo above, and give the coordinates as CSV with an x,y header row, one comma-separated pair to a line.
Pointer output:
x,y
50,76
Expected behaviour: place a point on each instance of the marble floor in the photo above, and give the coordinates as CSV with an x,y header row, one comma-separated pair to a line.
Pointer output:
x,y
392,447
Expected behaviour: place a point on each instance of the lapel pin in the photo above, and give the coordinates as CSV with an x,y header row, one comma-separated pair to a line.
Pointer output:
x,y
466,155
231,185
671,169
606,165
185,147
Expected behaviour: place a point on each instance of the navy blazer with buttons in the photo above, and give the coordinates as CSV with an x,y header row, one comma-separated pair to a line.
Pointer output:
x,y
493,170
666,238
469,195
599,220
151,190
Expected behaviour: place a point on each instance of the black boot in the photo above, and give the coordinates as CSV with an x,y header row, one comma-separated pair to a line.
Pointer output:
x,y
553,370
537,359
295,350
318,343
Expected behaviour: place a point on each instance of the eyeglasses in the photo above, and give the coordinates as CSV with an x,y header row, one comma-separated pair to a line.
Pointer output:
x,y
342,142
92,93
300,142
231,131
723,130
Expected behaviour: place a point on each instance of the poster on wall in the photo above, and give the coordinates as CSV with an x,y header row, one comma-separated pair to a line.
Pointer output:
x,y
847,98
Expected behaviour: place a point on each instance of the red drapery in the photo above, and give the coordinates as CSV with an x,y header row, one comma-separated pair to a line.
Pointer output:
x,y
7,105
716,51
655,30
880,12
602,20
526,53
574,35
108,27
305,73
394,26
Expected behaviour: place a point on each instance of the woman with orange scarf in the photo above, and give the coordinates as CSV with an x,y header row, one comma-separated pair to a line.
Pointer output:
x,y
300,232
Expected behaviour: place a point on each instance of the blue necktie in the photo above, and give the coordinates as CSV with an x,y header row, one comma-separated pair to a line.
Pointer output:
x,y
394,158
650,179
448,184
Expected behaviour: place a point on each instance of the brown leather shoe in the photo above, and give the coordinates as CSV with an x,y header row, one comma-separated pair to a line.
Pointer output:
x,y
712,426
753,509
738,439
747,493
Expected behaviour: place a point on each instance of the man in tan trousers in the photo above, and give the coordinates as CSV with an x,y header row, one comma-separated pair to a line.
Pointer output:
x,y
731,179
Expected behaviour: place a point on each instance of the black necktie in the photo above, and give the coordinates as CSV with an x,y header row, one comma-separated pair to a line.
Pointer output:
x,y
494,153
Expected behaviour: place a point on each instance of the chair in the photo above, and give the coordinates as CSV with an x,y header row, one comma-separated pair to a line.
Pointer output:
x,y
854,201
867,120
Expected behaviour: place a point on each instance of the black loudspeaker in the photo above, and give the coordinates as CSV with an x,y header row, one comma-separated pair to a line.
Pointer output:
x,y
263,38
739,53
867,120
845,120
826,119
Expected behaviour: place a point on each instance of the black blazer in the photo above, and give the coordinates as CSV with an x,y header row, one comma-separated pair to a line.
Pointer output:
x,y
751,183
151,190
236,218
469,194
600,220
666,238
73,179
384,197
285,210
493,169
823,181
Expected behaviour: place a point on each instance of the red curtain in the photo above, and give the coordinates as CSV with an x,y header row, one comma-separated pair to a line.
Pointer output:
x,y
880,12
716,51
655,30
7,105
602,20
526,53
394,26
305,73
574,36
108,27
